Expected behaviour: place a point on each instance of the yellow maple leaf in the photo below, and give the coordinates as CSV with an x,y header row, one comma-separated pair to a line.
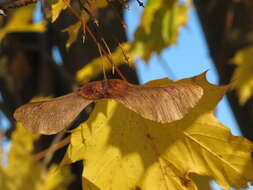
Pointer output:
x,y
95,4
60,5
57,8
95,67
21,163
3,179
56,178
73,30
122,150
23,171
202,182
73,33
21,21
159,27
243,75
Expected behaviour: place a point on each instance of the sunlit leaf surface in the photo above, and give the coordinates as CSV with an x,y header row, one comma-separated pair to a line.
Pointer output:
x,y
243,75
121,150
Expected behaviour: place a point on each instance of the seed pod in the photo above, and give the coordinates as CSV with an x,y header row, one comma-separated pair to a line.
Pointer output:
x,y
163,104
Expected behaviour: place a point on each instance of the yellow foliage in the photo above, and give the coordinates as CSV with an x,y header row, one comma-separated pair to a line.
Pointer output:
x,y
95,67
57,179
202,182
60,5
57,8
20,161
159,27
96,4
122,150
243,75
73,33
74,29
21,21
24,172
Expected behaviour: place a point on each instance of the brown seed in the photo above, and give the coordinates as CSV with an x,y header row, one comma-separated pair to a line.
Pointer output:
x,y
162,104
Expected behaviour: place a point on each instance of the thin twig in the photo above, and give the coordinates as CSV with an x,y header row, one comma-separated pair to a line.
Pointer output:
x,y
49,154
122,49
53,148
95,20
74,12
103,66
117,14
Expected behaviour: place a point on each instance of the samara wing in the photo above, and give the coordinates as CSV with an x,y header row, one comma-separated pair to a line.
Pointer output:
x,y
163,104
51,116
